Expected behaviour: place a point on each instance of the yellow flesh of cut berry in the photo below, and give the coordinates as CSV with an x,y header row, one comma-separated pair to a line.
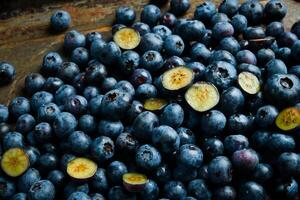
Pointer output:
x,y
249,82
15,162
127,38
154,104
177,78
81,168
135,178
202,96
288,119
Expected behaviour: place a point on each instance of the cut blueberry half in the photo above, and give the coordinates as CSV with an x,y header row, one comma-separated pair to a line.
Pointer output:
x,y
134,182
177,78
202,96
248,82
155,104
15,162
127,38
81,168
288,119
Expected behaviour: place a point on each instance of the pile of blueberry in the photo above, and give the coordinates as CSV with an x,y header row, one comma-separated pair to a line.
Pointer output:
x,y
168,108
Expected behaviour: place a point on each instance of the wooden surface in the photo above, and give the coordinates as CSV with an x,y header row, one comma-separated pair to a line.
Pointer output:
x,y
25,38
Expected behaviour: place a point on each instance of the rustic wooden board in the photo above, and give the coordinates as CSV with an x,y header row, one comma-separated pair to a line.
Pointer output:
x,y
25,38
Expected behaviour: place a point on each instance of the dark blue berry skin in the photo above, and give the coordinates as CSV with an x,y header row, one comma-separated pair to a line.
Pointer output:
x,y
127,142
79,82
125,15
282,89
179,7
4,129
115,171
234,143
192,30
68,71
12,139
225,193
245,159
73,39
64,124
33,83
173,45
33,154
295,51
212,123
151,41
186,136
151,191
229,44
295,70
229,7
172,115
52,84
232,101
296,29
253,11
275,29
239,123
222,55
251,190
142,28
47,162
162,173
63,93
80,56
168,19
162,30
19,196
174,190
198,69
114,104
152,60
31,139
57,178
117,192
146,91
288,164
79,195
110,129
95,105
96,47
184,173
4,113
219,17
42,189
198,189
205,11
97,196
262,172
79,142
255,32
219,170
126,87
221,74
200,53
172,62
286,189
51,63
286,39
135,109
246,56
212,147
165,138
221,30
140,76
239,23
275,10
129,61
8,188
76,105
99,181
19,106
91,37
25,123
283,54
150,15
27,179
102,148
90,92
109,53
264,56
95,73
190,156
87,123
147,157
39,99
49,148
260,139
72,187
265,116
60,20
65,159
255,102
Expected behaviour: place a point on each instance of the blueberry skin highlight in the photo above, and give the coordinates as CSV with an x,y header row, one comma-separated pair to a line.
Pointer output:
x,y
232,101
42,189
233,143
60,20
212,123
173,115
99,181
199,189
219,170
165,138
150,15
190,156
64,124
79,142
125,15
174,190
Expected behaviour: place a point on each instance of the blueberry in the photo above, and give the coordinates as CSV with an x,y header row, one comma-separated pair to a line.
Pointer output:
x,y
19,196
225,193
95,73
192,30
147,157
296,28
141,27
265,116
12,139
198,189
239,123
87,123
80,56
165,138
144,124
4,113
162,31
212,123
200,53
255,102
173,45
72,187
232,101
99,181
18,107
52,84
284,54
260,139
220,170
172,62
212,147
251,190
91,37
76,105
288,163
174,190
151,191
57,178
115,171
109,53
79,142
190,156
229,7
95,105
65,159
239,23
275,29
286,189
40,98
172,115
60,20
221,30
275,10
184,173
125,15
219,17
229,44
68,71
78,195
73,39
150,15
256,32
151,41
198,68
25,123
245,159
7,189
222,55
127,142
96,47
295,51
47,162
33,154
146,91
62,93
234,143
51,63
102,148
246,56
205,11
42,189
221,74
34,82
179,7
262,172
129,61
264,56
64,124
163,173
125,86
97,196
111,129
168,19
295,70
30,177
253,11
135,109
286,39
117,192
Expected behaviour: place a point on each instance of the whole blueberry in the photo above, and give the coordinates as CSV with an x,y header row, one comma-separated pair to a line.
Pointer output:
x,y
295,51
12,140
125,15
39,99
246,56
19,106
140,76
162,30
288,163
260,139
79,195
125,86
99,181
284,53
179,7
232,101
135,109
233,143
115,171
190,156
42,189
198,69
60,20
109,53
73,39
79,142
174,190
47,162
68,71
245,159
200,53
144,124
146,91
184,173
80,56
219,17
111,129
33,154
205,11
147,157
173,45
220,170
90,91
172,115
192,30
19,196
150,15
239,23
142,28
102,148
92,36
7,189
62,93
276,66
129,61
265,116
151,41
239,123
25,123
253,11
73,186
254,32
229,44
279,143
48,112
264,56
127,142
96,47
57,178
118,192
198,189
151,191
168,19
229,7
262,172
76,105
212,123
222,55
95,73
212,147
275,29
251,190
225,193
275,10
51,63
4,113
64,124
34,82
172,62
95,105
27,179
7,73
87,123
165,138
221,30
